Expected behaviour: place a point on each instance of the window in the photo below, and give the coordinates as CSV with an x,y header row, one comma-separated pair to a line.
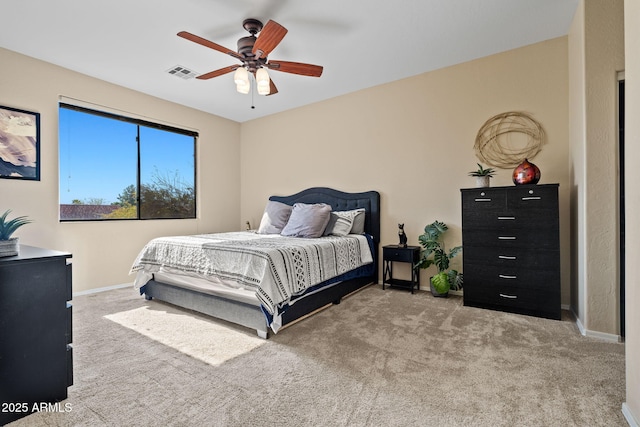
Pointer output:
x,y
115,168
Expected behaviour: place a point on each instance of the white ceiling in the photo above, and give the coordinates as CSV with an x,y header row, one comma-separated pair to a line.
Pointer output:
x,y
360,43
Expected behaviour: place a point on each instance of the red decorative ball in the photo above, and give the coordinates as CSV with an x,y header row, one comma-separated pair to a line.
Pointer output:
x,y
526,173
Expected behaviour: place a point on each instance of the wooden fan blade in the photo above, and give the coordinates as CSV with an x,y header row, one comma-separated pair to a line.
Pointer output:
x,y
209,44
272,87
269,37
296,68
217,73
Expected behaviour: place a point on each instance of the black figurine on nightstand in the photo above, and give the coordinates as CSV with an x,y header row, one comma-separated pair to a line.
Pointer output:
x,y
402,236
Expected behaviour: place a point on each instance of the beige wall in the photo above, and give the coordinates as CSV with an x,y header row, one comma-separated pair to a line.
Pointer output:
x,y
604,57
104,251
412,140
596,52
632,198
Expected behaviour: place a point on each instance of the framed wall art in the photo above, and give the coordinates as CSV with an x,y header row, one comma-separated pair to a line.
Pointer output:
x,y
19,144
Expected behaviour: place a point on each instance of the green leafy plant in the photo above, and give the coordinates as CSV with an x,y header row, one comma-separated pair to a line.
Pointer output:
x,y
482,171
8,227
434,253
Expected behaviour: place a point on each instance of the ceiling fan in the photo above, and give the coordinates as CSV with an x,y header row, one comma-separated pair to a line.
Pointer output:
x,y
252,53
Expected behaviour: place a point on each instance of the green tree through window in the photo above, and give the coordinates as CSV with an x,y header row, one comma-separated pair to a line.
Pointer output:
x,y
113,167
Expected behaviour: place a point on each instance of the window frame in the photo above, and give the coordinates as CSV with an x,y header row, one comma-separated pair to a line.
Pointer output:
x,y
138,122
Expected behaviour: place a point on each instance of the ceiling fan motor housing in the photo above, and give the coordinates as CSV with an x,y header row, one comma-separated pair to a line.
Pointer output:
x,y
252,25
245,46
245,49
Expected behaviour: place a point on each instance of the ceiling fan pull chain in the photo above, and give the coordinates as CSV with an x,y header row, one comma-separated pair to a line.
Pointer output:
x,y
252,92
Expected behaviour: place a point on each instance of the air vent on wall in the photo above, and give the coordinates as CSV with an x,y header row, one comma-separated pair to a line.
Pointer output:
x,y
182,72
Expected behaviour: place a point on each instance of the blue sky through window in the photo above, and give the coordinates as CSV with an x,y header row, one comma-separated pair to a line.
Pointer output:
x,y
98,156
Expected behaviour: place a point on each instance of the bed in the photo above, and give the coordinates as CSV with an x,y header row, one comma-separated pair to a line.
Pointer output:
x,y
234,298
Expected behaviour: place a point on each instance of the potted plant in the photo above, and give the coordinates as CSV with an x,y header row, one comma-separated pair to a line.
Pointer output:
x,y
9,245
434,252
482,175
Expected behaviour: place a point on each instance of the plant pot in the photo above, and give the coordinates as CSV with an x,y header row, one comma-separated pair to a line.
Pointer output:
x,y
9,247
482,181
436,293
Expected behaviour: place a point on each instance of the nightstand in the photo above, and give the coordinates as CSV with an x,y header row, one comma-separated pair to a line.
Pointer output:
x,y
395,253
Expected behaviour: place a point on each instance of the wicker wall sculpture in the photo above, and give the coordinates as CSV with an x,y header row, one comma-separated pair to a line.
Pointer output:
x,y
495,147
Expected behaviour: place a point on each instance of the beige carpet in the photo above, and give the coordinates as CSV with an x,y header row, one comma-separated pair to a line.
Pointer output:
x,y
380,358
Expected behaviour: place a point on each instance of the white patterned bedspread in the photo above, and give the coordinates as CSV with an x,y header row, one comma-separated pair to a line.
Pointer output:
x,y
276,267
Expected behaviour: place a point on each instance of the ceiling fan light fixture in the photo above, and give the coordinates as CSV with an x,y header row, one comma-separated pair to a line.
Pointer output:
x,y
241,77
263,81
262,77
243,88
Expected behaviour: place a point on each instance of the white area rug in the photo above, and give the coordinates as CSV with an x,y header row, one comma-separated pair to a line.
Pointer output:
x,y
207,341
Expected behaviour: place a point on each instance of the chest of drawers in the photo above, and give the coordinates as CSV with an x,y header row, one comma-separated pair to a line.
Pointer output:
x,y
511,249
36,354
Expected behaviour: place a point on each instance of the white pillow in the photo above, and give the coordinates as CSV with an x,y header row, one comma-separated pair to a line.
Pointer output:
x,y
275,217
341,222
307,220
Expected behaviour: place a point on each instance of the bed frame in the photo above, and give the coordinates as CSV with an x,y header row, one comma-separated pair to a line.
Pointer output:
x,y
251,316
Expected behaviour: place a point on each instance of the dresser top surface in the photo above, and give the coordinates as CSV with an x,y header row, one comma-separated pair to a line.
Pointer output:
x,y
32,253
510,187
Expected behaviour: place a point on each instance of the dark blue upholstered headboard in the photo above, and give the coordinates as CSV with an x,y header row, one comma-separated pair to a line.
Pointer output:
x,y
341,201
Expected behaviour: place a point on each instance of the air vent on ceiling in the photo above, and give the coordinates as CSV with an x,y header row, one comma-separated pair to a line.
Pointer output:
x,y
182,72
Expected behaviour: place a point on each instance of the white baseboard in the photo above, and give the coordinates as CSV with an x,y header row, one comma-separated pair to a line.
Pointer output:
x,y
604,336
579,324
628,415
106,288
595,334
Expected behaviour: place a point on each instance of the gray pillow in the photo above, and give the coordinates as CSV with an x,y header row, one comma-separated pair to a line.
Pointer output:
x,y
307,220
341,222
358,222
275,217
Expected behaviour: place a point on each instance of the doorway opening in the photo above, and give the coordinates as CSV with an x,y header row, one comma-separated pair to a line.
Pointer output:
x,y
622,201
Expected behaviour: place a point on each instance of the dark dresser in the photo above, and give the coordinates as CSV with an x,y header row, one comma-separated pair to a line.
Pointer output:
x,y
511,249
35,331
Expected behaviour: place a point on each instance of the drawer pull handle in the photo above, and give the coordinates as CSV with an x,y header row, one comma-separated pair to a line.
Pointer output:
x,y
506,257
532,198
503,276
506,217
509,296
506,237
482,200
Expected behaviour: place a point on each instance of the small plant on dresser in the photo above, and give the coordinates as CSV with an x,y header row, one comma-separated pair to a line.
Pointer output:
x,y
9,245
434,253
483,176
